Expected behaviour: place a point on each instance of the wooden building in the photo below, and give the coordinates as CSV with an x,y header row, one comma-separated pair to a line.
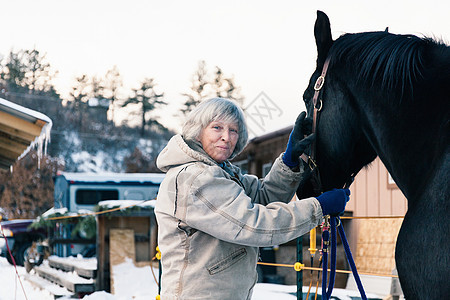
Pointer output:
x,y
130,233
373,193
20,129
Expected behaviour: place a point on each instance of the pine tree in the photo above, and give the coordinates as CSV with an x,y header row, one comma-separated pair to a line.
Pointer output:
x,y
199,91
148,100
225,87
79,95
205,86
27,71
112,85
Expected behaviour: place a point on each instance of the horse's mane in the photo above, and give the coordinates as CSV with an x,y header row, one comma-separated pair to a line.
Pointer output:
x,y
386,60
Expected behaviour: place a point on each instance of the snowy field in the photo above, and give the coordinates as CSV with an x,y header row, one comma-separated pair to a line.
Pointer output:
x,y
137,284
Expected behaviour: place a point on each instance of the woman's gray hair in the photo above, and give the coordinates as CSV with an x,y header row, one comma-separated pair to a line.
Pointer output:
x,y
212,110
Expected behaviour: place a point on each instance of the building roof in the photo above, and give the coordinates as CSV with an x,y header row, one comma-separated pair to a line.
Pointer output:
x,y
271,135
20,130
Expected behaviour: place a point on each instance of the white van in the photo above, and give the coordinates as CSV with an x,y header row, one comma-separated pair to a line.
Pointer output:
x,y
77,191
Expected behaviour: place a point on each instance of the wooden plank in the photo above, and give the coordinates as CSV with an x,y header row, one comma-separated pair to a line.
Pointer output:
x,y
373,201
351,205
5,163
86,273
385,192
121,246
399,202
12,145
19,124
16,133
72,265
60,265
360,195
102,256
8,154
43,284
40,123
376,245
73,283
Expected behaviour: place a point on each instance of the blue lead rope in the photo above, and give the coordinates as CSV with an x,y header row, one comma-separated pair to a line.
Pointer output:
x,y
325,242
326,294
332,257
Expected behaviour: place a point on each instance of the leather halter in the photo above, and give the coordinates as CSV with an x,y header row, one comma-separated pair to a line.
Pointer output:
x,y
311,160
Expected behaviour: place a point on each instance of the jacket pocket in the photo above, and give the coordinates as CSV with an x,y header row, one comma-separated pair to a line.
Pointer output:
x,y
227,261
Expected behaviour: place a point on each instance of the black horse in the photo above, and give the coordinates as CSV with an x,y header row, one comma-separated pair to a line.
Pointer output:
x,y
388,95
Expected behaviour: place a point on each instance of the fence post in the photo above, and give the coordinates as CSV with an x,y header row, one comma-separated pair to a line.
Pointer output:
x,y
299,273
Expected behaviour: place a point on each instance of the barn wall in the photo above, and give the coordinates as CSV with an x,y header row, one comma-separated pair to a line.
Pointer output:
x,y
372,194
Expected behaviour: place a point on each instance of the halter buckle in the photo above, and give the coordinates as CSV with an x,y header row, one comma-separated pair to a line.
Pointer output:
x,y
311,163
319,83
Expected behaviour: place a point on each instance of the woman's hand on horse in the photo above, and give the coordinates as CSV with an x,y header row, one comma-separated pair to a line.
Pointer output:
x,y
297,141
333,202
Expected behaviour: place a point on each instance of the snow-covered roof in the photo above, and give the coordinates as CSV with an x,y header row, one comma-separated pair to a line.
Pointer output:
x,y
21,129
114,177
22,112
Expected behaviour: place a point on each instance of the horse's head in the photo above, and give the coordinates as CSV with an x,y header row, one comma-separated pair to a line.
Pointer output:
x,y
341,148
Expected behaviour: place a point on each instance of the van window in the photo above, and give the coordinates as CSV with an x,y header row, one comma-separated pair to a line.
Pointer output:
x,y
90,197
134,195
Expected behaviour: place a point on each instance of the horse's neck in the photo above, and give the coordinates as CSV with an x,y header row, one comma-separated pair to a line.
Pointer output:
x,y
409,148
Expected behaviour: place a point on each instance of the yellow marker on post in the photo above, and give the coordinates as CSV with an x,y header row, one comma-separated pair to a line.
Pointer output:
x,y
158,253
312,242
298,266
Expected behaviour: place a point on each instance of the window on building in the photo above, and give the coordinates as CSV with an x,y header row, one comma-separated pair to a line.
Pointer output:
x,y
89,197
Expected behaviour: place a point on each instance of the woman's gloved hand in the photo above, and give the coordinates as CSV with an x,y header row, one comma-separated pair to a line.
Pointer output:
x,y
333,202
297,142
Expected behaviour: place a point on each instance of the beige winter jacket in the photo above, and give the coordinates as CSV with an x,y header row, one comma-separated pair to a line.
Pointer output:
x,y
212,220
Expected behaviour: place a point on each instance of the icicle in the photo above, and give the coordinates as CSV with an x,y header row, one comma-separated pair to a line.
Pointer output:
x,y
40,143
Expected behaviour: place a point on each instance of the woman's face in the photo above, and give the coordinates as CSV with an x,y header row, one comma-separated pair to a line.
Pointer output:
x,y
219,139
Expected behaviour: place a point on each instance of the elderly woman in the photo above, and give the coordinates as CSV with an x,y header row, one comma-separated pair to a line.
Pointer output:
x,y
212,218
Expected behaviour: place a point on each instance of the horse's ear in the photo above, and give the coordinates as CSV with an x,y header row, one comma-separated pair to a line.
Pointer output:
x,y
322,33
387,29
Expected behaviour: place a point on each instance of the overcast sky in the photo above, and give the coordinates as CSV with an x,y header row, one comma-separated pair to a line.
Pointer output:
x,y
268,46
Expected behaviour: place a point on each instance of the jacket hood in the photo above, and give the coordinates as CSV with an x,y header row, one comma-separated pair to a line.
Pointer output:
x,y
178,152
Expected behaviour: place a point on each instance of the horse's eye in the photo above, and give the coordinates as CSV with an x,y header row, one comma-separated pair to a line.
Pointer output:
x,y
307,96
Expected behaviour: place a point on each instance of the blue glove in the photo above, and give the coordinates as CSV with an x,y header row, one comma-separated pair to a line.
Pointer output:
x,y
297,142
333,202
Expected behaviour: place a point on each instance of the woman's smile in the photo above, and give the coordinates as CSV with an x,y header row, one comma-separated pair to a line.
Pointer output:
x,y
219,139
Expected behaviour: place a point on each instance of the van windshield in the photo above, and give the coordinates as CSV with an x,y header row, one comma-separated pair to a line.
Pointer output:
x,y
91,197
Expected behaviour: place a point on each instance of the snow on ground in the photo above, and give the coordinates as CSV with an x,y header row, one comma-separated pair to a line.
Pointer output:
x,y
137,283
10,288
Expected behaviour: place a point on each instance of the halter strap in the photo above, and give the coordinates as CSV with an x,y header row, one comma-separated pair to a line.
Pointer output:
x,y
311,160
320,81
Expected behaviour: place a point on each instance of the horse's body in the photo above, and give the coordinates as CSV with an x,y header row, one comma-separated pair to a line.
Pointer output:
x,y
388,95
